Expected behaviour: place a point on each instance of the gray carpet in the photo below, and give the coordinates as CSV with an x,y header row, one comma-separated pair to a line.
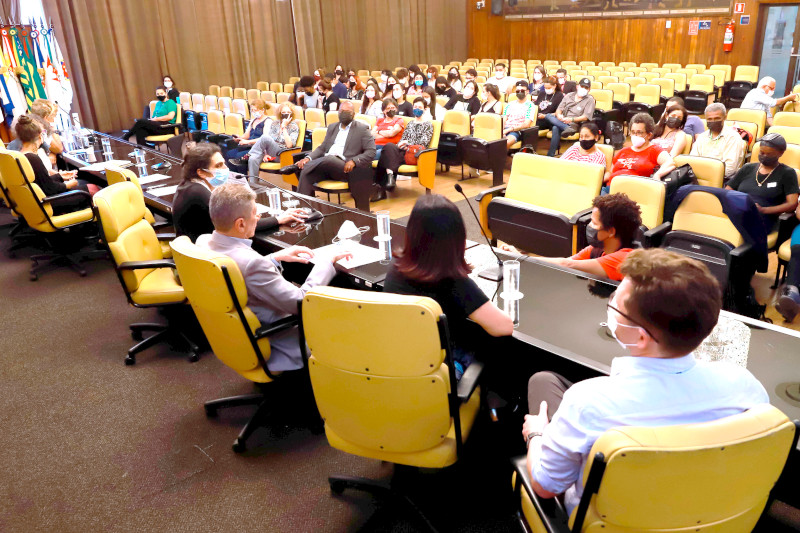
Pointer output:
x,y
472,226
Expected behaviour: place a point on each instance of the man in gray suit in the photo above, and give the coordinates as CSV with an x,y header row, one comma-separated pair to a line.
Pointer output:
x,y
269,295
347,144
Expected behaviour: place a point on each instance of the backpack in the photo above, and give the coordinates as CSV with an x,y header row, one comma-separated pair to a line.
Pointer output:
x,y
615,134
745,135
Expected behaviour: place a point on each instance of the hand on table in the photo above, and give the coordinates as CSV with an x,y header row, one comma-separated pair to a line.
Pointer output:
x,y
292,215
509,248
344,255
294,254
67,175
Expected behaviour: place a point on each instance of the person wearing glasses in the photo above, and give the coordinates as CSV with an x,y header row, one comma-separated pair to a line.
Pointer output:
x,y
662,310
615,222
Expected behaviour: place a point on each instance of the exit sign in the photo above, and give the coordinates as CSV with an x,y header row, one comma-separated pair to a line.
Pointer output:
x,y
738,8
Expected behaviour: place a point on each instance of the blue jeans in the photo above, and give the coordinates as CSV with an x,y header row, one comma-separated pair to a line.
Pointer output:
x,y
558,127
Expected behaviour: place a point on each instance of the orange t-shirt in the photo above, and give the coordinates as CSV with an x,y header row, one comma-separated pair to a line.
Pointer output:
x,y
609,262
384,124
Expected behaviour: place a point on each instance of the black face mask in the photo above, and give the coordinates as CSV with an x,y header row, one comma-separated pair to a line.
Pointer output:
x,y
338,73
161,98
521,95
285,116
310,93
591,237
390,113
345,118
768,160
673,122
587,144
715,126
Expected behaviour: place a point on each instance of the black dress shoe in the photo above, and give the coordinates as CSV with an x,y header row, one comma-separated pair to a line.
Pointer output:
x,y
391,181
378,195
290,169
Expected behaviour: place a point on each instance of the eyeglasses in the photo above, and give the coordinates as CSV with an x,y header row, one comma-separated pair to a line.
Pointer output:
x,y
610,305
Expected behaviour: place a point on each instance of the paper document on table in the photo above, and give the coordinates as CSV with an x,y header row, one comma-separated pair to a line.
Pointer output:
x,y
102,165
362,255
261,208
162,191
152,178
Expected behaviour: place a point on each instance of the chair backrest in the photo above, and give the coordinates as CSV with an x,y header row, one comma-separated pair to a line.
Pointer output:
x,y
262,86
648,66
791,157
240,92
294,79
550,63
226,92
622,74
369,120
562,186
488,126
687,148
647,94
268,96
606,64
649,76
699,67
790,133
679,80
276,87
608,152
702,82
120,175
210,103
622,91
637,71
688,72
586,64
186,101
709,171
198,102
214,89
282,97
756,116
688,477
216,290
746,73
224,104
667,86
719,76
252,94
649,194
457,122
317,137
783,118
216,121
567,63
288,87
363,383
315,118
234,124
605,80
725,68
591,68
603,98
597,85
701,212
331,117
240,105
660,71
634,81
121,210
626,64
672,66
24,194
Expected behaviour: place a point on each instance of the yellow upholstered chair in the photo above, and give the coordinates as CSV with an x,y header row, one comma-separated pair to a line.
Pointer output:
x,y
673,479
672,66
622,74
783,118
756,116
216,290
216,121
276,87
649,76
566,63
746,73
699,67
626,64
660,71
637,71
543,201
650,195
586,64
700,93
224,104
719,76
648,66
488,126
214,90
725,68
268,96
364,384
790,133
425,169
225,92
634,81
186,101
709,171
161,140
667,86
647,93
29,203
688,72
209,103
286,156
679,80
605,64
239,93
315,118
294,79
608,152
262,86
369,120
622,91
145,275
288,87
241,106
282,97
605,80
234,125
198,102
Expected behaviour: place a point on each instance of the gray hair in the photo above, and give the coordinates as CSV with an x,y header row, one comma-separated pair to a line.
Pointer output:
x,y
646,119
229,203
766,80
717,106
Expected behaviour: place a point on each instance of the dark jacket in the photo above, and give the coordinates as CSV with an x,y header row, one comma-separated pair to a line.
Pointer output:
x,y
473,103
569,87
550,101
359,147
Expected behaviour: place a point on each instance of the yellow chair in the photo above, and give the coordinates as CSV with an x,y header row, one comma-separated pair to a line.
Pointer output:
x,y
679,80
425,169
239,93
242,107
387,396
660,71
622,74
276,87
145,275
226,92
592,69
622,91
667,86
488,126
649,76
216,121
688,72
294,79
262,86
755,116
288,87
608,152
161,140
268,96
587,64
650,195
673,479
699,67
648,66
282,97
565,64
719,76
315,118
286,156
709,171
209,103
782,118
746,73
672,66
700,93
605,64
543,201
605,80
790,133
725,68
216,290
198,102
186,101
637,71
626,64
234,125
369,120
214,90
224,104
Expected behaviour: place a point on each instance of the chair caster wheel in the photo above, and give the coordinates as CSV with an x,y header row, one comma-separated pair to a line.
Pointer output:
x,y
211,412
238,446
193,357
130,361
337,487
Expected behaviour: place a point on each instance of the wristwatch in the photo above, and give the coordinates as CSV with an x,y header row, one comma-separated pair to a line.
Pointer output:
x,y
530,437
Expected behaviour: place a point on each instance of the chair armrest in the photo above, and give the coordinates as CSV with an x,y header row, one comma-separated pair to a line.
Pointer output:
x,y
426,150
741,251
292,150
277,326
69,194
163,224
469,381
786,224
580,214
166,236
155,263
551,512
653,237
529,136
483,199
493,191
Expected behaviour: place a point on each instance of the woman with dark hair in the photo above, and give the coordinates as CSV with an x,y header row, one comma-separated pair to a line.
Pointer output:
x,y
431,263
254,131
642,157
203,169
419,83
669,130
585,150
371,103
384,84
547,101
397,92
172,92
432,73
443,89
435,111
539,77
389,128
467,100
454,79
355,89
491,100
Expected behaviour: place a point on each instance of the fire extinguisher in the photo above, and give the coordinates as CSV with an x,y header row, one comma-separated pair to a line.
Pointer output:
x,y
727,40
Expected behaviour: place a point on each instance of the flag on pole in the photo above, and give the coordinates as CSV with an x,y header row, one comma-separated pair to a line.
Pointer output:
x,y
58,67
27,72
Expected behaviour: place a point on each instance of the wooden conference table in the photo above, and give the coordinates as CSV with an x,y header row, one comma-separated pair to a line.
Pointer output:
x,y
561,311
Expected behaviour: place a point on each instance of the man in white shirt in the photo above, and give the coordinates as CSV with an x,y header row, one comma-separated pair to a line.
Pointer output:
x,y
761,98
660,313
720,141
504,83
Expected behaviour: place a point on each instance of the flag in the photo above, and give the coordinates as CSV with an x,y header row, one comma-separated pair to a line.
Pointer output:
x,y
58,67
27,72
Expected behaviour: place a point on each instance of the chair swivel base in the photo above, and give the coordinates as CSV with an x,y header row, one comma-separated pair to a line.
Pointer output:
x,y
162,334
262,412
376,488
46,262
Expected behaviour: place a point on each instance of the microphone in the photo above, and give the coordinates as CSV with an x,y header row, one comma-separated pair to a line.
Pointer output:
x,y
312,215
493,273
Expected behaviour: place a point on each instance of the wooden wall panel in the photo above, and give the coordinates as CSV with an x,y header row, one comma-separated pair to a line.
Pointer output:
x,y
638,40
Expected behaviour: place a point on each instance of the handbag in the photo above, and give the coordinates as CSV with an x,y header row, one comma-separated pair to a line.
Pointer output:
x,y
412,153
678,177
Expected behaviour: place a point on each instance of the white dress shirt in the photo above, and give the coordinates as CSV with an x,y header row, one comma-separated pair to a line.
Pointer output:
x,y
337,148
641,391
759,100
728,147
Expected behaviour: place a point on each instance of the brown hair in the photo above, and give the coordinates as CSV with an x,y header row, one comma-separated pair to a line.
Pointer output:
x,y
28,128
197,158
43,108
662,123
324,85
435,242
618,211
258,103
673,296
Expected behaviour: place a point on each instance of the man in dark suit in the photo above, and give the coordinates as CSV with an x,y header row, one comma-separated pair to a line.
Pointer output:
x,y
347,144
565,85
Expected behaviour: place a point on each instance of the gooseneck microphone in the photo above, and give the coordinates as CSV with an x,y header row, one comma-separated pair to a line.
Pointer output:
x,y
313,215
492,273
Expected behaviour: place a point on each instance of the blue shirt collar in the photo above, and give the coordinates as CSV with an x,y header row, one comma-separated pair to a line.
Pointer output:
x,y
219,237
653,365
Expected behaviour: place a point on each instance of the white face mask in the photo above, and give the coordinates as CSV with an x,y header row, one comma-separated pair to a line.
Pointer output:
x,y
384,78
397,95
348,230
550,91
770,92
468,93
561,79
582,92
428,101
499,75
613,325
370,94
168,84
537,76
637,140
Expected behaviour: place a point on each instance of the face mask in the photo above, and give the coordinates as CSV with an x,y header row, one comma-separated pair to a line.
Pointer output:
x,y
768,160
370,94
257,114
384,78
499,75
397,95
587,144
582,92
453,74
427,101
673,122
352,80
418,112
591,234
418,83
348,230
161,97
403,81
770,93
286,116
345,118
521,95
537,76
220,177
468,93
550,91
316,77
715,126
168,84
637,140
430,75
338,72
310,93
613,326
390,113
561,79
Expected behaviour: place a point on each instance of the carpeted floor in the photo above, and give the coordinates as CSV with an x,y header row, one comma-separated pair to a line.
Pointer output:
x,y
472,226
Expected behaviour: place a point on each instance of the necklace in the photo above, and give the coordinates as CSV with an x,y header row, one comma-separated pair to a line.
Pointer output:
x,y
762,182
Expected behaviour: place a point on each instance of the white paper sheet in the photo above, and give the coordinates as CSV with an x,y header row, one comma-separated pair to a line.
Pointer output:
x,y
152,178
261,208
162,191
362,254
481,257
102,165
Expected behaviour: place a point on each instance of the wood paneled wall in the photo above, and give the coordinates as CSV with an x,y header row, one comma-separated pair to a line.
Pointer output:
x,y
638,40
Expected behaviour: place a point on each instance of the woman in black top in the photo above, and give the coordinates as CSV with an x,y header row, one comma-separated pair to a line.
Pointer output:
x,y
771,184
172,92
329,101
467,100
443,89
548,101
492,103
404,107
431,263
203,170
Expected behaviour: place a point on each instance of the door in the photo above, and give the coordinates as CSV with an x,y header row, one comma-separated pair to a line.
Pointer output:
x,y
779,45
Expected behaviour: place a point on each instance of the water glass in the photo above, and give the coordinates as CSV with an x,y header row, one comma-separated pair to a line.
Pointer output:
x,y
383,222
274,196
511,280
139,155
142,168
386,248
